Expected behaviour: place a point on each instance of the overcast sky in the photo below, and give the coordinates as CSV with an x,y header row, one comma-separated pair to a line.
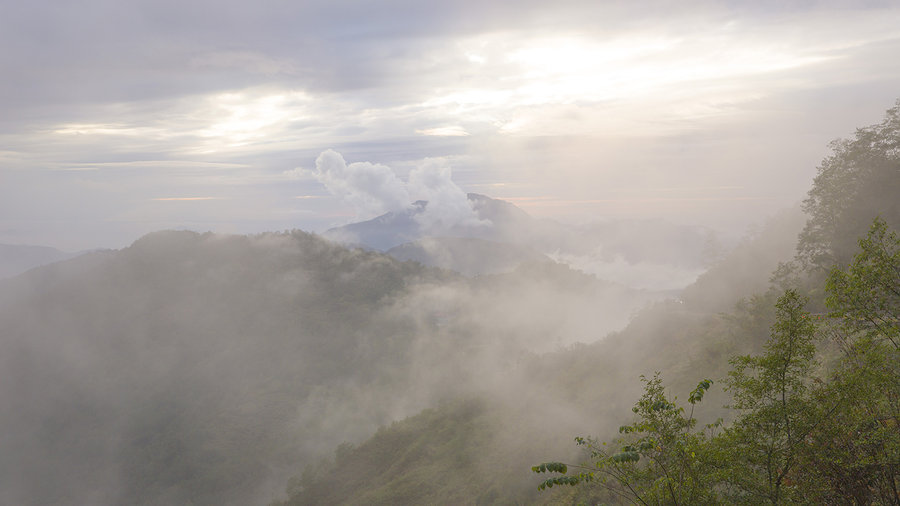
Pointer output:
x,y
118,118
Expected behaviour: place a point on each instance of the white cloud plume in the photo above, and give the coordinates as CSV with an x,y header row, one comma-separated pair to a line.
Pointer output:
x,y
447,203
373,189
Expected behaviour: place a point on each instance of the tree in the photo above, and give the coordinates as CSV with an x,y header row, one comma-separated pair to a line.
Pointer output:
x,y
796,437
859,181
866,297
856,450
771,393
660,458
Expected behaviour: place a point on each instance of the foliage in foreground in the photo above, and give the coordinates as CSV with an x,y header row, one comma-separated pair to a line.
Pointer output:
x,y
796,437
657,459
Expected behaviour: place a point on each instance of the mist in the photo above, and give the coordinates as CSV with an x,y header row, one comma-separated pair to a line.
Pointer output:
x,y
196,358
395,253
216,368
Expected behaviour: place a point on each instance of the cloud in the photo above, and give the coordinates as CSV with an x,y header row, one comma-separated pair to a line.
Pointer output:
x,y
247,61
184,199
448,204
297,173
446,131
573,99
372,189
644,275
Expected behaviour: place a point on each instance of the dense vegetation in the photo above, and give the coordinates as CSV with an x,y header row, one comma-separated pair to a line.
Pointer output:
x,y
815,416
800,433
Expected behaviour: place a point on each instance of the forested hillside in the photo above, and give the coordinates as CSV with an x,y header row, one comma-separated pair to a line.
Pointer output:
x,y
813,416
202,368
190,368
844,374
483,455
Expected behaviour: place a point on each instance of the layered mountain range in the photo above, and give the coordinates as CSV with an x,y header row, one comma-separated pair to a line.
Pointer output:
x,y
651,254
204,369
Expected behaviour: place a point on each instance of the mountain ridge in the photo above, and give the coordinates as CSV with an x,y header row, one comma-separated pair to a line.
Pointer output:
x,y
634,251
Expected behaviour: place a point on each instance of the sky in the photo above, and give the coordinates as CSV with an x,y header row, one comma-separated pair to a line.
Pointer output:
x,y
118,118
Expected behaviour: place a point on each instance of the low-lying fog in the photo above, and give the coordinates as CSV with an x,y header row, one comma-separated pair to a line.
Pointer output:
x,y
211,368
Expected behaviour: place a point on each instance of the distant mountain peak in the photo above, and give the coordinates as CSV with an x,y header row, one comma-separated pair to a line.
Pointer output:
x,y
399,227
16,259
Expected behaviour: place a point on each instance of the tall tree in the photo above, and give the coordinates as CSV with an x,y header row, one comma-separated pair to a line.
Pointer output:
x,y
859,181
856,450
866,296
771,392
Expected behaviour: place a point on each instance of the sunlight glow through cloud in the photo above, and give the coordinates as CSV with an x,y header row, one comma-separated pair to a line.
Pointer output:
x,y
516,83
109,129
520,74
447,131
235,119
576,101
181,199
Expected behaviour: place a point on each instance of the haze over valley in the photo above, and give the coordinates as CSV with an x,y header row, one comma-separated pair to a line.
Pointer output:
x,y
470,253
